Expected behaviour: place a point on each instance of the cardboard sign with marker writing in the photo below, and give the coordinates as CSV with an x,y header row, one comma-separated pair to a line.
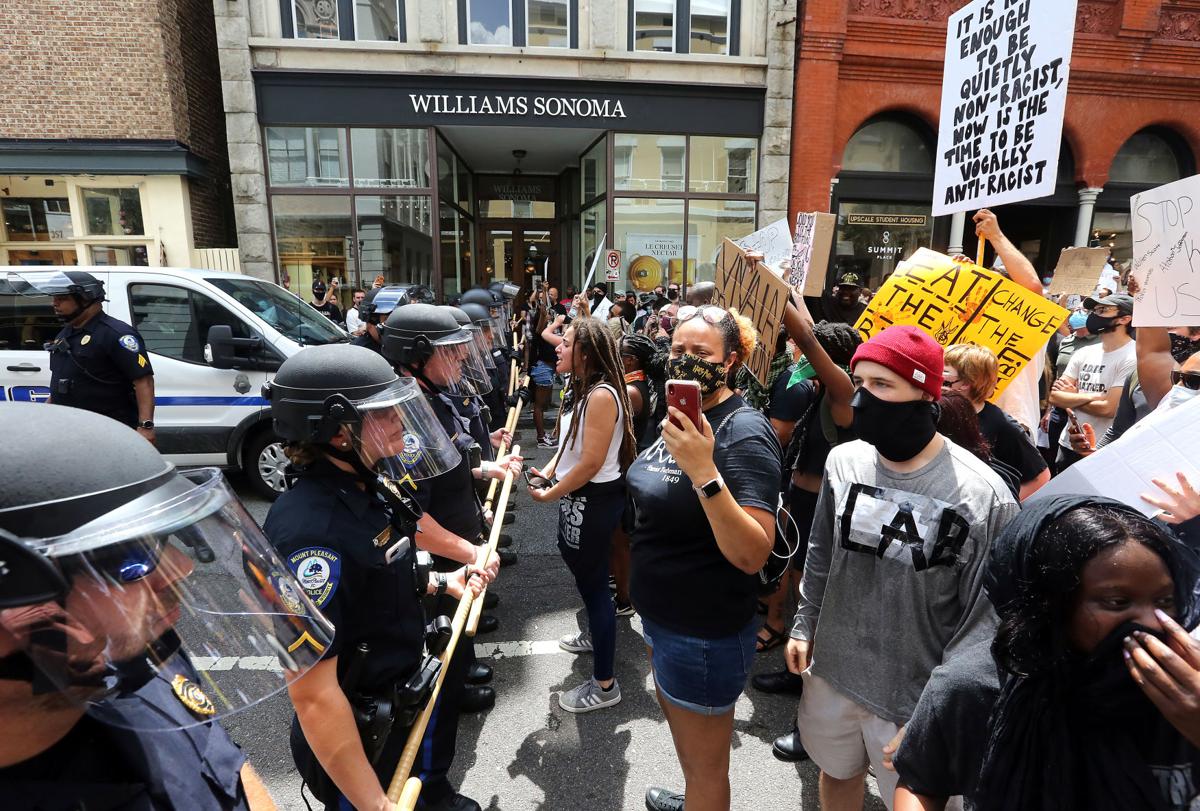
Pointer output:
x,y
964,304
810,252
1078,270
757,293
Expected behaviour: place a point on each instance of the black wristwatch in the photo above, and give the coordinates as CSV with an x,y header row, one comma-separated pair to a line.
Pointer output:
x,y
439,579
710,488
146,424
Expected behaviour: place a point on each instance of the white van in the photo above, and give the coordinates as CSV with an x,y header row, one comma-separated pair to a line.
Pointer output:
x,y
214,338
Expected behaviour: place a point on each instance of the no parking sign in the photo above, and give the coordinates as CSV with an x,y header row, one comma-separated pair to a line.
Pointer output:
x,y
612,266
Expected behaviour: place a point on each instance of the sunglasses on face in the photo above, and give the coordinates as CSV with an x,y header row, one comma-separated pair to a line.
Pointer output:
x,y
710,313
1190,380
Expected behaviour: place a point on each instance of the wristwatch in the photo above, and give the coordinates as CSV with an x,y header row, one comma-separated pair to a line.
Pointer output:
x,y
440,579
146,424
710,488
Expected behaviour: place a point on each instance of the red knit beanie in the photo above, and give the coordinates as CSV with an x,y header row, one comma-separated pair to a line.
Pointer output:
x,y
908,352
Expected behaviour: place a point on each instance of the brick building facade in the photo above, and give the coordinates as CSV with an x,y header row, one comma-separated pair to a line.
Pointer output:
x,y
112,136
867,91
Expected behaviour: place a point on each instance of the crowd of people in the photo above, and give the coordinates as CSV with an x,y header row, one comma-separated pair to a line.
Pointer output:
x,y
870,507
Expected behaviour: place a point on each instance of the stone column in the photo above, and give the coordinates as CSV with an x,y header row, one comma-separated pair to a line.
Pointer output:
x,y
780,22
1087,206
958,225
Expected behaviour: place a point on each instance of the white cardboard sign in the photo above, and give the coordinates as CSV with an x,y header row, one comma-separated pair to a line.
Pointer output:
x,y
774,242
1166,254
1004,93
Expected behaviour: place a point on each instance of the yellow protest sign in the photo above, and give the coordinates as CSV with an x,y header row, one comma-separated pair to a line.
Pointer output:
x,y
964,304
757,293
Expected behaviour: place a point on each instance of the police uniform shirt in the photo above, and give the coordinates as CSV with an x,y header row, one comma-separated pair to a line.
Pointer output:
x,y
450,497
470,410
93,367
334,536
102,767
367,341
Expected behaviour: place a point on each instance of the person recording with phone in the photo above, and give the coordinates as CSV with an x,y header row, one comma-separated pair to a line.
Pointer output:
x,y
596,446
705,495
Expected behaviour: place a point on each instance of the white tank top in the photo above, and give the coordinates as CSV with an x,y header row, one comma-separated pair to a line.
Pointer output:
x,y
569,454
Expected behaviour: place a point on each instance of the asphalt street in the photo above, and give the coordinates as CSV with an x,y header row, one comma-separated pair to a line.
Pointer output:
x,y
527,753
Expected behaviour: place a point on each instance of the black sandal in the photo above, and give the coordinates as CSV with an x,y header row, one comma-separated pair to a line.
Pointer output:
x,y
774,639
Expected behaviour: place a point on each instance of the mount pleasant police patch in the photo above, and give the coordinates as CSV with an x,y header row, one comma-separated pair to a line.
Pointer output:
x,y
129,342
410,457
318,569
287,593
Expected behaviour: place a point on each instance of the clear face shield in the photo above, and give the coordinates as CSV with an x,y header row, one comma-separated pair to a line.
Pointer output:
x,y
499,326
182,572
477,362
454,366
483,342
400,437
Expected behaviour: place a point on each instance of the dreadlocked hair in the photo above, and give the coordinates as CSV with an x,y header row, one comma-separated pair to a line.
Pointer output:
x,y
652,360
596,347
838,339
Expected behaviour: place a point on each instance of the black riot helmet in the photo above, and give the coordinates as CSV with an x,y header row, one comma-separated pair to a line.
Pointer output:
x,y
494,301
507,290
116,571
477,355
482,319
80,285
429,342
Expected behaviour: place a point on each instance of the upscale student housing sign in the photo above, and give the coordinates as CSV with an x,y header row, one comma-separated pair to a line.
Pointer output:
x,y
1004,92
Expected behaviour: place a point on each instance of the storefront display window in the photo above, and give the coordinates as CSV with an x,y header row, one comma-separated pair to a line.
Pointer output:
x,y
1146,159
390,158
548,23
315,19
654,25
118,255
377,20
593,177
36,219
650,235
489,22
113,212
592,229
307,156
655,162
887,145
713,221
456,238
710,26
313,236
395,239
872,238
723,165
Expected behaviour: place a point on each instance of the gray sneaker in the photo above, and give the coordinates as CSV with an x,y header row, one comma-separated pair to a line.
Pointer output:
x,y
576,643
590,696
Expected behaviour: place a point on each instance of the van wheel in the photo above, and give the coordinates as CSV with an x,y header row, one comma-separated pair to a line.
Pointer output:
x,y
264,463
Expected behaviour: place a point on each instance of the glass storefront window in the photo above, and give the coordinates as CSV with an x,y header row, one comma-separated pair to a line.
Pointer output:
x,y
43,257
872,238
649,234
654,163
592,175
36,219
120,255
390,158
654,25
1146,159
313,239
113,212
377,20
592,228
307,156
710,27
462,187
455,238
548,23
395,239
723,165
711,221
489,22
315,19
887,146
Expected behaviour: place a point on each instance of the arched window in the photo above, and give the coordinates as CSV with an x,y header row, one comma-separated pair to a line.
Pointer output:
x,y
888,145
1148,158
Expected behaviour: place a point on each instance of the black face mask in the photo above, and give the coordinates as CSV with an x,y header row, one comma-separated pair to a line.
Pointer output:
x,y
1099,324
1183,347
710,376
899,431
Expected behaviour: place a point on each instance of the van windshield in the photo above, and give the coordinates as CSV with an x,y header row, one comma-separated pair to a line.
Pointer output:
x,y
283,311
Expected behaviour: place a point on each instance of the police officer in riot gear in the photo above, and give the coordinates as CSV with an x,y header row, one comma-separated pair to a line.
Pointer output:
x,y
112,575
501,353
373,311
96,362
357,436
494,399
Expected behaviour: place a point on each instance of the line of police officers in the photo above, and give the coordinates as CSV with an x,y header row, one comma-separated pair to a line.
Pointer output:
x,y
117,577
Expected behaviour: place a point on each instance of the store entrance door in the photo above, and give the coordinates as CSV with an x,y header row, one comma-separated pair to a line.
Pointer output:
x,y
516,250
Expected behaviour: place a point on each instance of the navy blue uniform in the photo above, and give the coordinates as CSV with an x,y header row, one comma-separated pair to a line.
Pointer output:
x,y
334,536
93,367
470,411
367,341
99,767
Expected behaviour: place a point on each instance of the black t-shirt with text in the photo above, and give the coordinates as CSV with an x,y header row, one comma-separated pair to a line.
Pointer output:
x,y
679,577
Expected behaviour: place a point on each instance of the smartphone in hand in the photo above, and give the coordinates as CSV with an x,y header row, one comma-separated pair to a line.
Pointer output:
x,y
535,481
685,396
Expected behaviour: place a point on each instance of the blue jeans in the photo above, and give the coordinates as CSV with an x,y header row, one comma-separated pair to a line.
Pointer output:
x,y
705,676
542,374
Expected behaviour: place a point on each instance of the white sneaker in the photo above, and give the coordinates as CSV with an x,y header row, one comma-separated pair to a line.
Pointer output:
x,y
590,696
576,643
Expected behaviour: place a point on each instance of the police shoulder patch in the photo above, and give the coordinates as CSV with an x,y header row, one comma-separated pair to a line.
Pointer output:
x,y
130,342
318,569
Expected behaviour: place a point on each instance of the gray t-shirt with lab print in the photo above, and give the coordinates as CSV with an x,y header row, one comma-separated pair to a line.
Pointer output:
x,y
893,581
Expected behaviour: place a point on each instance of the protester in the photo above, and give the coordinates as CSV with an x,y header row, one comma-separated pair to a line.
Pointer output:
x,y
596,446
973,372
705,501
903,499
842,303
618,320
540,357
1096,375
959,423
1054,420
758,395
700,294
354,321
325,300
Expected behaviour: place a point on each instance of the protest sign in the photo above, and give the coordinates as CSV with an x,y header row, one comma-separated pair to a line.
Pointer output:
x,y
810,252
1004,92
1166,254
757,293
964,304
1078,270
774,242
1157,447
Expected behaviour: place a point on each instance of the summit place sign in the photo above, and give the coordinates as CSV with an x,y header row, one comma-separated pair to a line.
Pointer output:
x,y
516,105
